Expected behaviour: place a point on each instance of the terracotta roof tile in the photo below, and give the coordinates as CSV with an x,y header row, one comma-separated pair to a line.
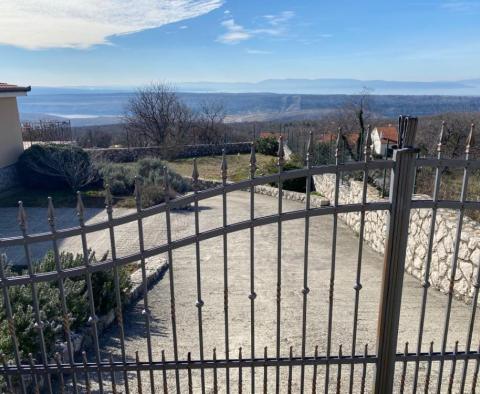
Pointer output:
x,y
266,134
388,133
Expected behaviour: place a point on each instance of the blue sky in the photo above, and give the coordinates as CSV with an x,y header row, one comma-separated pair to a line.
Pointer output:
x,y
133,42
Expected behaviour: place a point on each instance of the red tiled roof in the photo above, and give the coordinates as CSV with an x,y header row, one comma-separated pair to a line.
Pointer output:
x,y
266,134
327,137
388,133
9,88
351,138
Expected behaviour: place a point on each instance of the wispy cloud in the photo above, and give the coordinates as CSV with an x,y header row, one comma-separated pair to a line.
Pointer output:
x,y
279,19
461,6
39,24
273,25
235,33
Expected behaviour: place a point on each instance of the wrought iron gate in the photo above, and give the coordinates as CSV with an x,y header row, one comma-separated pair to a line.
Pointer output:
x,y
319,371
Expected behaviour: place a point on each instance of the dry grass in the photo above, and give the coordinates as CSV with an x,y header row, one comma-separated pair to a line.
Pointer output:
x,y
209,167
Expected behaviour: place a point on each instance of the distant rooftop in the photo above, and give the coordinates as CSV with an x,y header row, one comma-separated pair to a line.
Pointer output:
x,y
9,88
388,133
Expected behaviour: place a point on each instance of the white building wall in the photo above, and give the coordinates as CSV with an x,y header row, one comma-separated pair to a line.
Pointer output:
x,y
11,145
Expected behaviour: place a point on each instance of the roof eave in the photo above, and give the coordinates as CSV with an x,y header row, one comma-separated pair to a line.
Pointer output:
x,y
16,89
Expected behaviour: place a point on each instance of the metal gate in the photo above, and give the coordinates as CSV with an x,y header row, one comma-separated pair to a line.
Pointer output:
x,y
222,370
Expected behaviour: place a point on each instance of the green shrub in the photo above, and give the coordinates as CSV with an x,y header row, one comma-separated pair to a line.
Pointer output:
x,y
152,194
267,146
151,171
121,178
322,153
76,295
296,184
56,166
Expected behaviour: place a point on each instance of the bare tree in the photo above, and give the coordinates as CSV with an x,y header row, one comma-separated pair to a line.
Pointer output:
x,y
455,131
210,126
353,119
156,114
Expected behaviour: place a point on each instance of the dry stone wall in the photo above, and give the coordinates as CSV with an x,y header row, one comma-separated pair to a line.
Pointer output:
x,y
125,155
350,191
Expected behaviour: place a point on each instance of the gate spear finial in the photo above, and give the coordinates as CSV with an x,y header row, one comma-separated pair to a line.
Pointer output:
x,y
166,183
51,212
80,207
337,145
367,150
253,160
224,167
108,198
138,193
310,148
22,216
281,153
195,174
440,139
470,140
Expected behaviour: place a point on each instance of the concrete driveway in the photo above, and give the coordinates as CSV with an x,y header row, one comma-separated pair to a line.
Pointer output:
x,y
211,253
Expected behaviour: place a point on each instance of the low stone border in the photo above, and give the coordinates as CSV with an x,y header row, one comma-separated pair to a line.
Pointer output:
x,y
315,201
155,269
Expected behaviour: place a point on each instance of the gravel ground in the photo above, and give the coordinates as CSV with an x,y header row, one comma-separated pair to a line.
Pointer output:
x,y
211,255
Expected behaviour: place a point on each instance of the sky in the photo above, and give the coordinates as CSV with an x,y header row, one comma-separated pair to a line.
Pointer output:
x,y
135,42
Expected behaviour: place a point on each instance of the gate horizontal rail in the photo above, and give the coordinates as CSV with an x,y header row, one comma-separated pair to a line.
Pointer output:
x,y
234,363
191,198
203,236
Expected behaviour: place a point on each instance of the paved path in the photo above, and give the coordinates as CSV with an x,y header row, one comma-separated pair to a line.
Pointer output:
x,y
211,253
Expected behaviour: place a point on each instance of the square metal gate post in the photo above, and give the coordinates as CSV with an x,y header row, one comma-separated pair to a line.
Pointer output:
x,y
401,189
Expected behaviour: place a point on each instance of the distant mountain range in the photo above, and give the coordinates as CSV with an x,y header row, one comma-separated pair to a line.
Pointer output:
x,y
339,86
266,100
469,87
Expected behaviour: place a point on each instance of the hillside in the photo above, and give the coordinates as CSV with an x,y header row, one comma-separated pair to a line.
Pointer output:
x,y
106,108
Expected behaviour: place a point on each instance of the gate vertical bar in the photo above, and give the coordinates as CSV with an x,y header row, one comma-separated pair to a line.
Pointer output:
x,y
331,287
252,295
280,163
146,309
358,285
61,289
173,317
305,289
455,263
116,279
199,304
224,168
401,188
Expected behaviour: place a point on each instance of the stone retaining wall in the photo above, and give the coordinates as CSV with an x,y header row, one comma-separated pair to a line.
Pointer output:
x,y
417,247
125,155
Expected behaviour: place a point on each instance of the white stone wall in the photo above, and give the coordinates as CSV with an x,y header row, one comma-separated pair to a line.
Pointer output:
x,y
315,201
417,248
